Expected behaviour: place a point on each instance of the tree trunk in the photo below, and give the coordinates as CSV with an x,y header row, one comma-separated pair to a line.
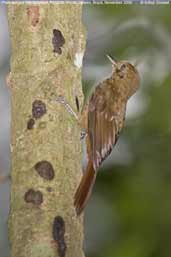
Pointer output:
x,y
48,42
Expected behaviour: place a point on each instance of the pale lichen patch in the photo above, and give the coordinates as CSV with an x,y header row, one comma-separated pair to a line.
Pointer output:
x,y
78,59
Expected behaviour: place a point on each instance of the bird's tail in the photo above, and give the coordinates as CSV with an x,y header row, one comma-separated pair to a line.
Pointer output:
x,y
85,187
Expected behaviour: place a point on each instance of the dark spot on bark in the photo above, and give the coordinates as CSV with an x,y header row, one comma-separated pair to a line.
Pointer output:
x,y
58,228
49,189
34,197
77,103
58,41
30,123
38,109
58,233
45,170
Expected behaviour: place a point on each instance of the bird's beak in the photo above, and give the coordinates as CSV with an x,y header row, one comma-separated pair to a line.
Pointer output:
x,y
111,59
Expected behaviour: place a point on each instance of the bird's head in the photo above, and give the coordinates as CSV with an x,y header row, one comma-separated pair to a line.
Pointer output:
x,y
126,75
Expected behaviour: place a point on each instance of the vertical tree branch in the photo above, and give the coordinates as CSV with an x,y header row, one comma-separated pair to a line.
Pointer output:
x,y
48,43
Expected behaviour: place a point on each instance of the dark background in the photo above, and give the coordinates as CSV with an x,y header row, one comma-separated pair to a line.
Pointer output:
x,y
129,214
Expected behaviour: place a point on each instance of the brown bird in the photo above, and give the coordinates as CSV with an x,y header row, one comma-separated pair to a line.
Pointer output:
x,y
103,119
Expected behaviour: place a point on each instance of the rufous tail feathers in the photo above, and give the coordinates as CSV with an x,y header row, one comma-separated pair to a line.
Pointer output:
x,y
85,187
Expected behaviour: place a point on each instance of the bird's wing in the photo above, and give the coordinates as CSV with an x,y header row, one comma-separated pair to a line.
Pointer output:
x,y
104,125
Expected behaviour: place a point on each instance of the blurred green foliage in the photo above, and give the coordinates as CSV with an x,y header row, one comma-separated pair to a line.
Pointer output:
x,y
129,214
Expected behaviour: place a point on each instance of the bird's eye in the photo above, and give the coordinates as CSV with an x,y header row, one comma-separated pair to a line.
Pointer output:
x,y
123,67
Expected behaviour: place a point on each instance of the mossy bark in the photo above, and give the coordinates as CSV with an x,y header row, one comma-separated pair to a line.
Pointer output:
x,y
45,144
